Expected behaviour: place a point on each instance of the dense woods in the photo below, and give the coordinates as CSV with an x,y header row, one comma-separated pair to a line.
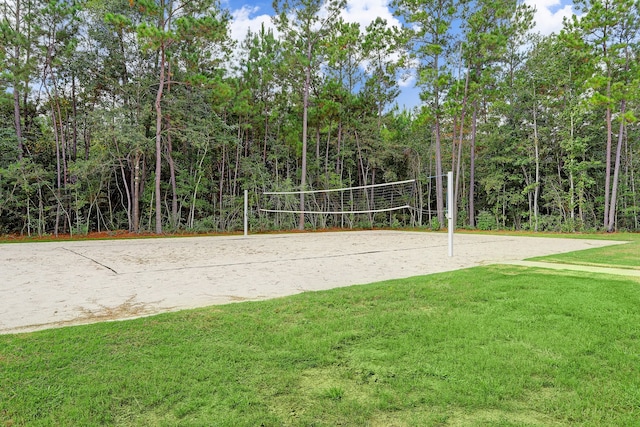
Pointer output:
x,y
145,115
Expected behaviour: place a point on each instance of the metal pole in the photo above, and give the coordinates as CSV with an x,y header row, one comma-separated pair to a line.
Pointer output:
x,y
246,212
450,214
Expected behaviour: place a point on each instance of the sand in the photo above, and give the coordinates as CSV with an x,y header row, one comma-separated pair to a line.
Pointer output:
x,y
53,284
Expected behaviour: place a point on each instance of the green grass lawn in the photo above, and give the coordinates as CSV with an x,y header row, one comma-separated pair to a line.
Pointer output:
x,y
620,256
487,346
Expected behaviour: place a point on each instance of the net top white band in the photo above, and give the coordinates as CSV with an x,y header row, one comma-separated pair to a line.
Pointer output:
x,y
338,189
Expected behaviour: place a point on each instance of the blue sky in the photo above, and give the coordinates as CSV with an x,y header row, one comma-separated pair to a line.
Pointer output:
x,y
251,15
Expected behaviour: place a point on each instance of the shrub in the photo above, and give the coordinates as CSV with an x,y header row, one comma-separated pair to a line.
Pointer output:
x,y
486,221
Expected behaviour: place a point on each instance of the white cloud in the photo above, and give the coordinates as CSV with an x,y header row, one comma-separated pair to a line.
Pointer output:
x,y
245,19
361,11
549,14
366,11
408,80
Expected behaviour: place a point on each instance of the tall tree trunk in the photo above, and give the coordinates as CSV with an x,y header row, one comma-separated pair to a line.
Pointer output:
x,y
137,183
158,106
338,150
61,153
222,168
616,171
266,133
472,165
86,133
192,213
364,172
63,144
74,104
318,151
16,92
58,191
127,186
326,155
607,173
305,115
536,148
236,168
439,195
172,178
17,120
458,166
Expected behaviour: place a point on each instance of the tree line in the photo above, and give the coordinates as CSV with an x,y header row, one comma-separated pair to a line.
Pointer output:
x,y
145,115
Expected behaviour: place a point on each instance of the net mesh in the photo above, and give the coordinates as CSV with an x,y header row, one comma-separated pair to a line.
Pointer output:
x,y
352,200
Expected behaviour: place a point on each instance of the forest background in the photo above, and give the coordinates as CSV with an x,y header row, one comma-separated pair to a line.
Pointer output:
x,y
145,115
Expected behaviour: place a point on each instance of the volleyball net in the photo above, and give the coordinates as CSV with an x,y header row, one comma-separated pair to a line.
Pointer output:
x,y
399,202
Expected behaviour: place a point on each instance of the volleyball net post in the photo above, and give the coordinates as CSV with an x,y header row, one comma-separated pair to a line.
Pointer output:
x,y
450,211
246,213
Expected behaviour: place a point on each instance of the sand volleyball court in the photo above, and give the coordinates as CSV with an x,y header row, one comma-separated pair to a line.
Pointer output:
x,y
52,284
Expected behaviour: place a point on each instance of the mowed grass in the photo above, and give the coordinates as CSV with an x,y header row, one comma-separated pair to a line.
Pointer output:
x,y
619,256
488,346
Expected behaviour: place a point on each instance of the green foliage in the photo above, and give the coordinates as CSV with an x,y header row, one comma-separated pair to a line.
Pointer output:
x,y
8,147
434,224
25,189
86,75
486,221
